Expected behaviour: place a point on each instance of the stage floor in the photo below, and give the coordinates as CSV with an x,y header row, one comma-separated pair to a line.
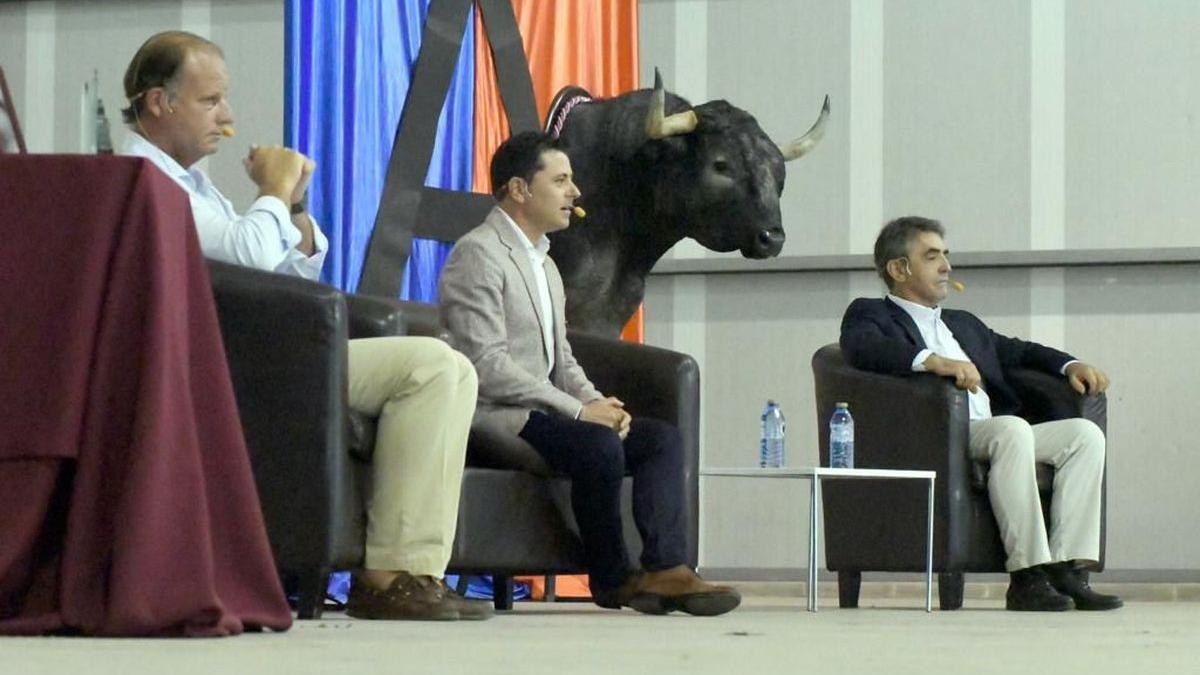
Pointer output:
x,y
770,633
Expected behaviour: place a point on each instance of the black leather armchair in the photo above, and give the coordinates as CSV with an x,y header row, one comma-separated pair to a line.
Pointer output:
x,y
285,340
920,422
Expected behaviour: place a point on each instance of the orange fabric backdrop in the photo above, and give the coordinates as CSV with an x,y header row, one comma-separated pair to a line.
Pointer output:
x,y
568,42
586,43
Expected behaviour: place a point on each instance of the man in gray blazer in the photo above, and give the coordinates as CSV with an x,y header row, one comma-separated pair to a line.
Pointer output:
x,y
502,298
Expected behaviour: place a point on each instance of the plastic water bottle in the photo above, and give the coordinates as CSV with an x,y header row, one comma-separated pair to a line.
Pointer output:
x,y
770,450
841,438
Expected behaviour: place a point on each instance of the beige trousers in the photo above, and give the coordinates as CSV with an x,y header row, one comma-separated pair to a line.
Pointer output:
x,y
1075,448
424,395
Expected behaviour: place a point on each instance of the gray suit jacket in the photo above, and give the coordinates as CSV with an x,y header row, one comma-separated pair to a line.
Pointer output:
x,y
488,302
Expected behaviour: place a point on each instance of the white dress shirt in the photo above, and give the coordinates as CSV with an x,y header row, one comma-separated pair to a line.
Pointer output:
x,y
537,260
263,238
939,340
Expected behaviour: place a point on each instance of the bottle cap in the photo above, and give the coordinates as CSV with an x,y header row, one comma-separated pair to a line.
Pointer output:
x,y
771,402
842,404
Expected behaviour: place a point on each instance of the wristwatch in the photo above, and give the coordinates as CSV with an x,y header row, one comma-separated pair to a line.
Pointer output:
x,y
302,205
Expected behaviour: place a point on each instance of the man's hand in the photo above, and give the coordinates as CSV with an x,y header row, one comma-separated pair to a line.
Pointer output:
x,y
306,175
608,412
1086,379
965,374
276,170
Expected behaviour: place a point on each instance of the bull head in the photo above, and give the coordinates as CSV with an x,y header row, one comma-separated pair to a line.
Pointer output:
x,y
739,173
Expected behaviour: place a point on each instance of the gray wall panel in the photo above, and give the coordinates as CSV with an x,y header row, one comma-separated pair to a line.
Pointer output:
x,y
101,36
1132,132
12,51
778,59
251,34
1141,325
956,117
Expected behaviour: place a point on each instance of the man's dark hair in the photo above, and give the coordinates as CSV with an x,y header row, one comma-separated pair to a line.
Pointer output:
x,y
894,238
519,157
157,64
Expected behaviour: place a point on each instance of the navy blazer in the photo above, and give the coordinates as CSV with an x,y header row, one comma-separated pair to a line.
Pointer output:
x,y
879,336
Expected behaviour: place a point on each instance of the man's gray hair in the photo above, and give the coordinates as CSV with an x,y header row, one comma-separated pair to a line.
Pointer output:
x,y
894,238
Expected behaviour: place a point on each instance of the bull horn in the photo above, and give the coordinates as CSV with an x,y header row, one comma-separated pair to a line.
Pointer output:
x,y
800,147
658,124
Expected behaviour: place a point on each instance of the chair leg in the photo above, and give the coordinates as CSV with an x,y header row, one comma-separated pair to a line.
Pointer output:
x,y
849,583
950,590
310,591
502,591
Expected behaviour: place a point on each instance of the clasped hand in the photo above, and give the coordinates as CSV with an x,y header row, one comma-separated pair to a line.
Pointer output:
x,y
608,412
278,171
965,374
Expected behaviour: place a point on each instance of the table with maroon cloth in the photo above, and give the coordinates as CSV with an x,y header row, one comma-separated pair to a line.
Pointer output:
x,y
127,504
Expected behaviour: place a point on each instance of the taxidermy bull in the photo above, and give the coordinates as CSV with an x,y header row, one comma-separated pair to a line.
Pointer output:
x,y
654,169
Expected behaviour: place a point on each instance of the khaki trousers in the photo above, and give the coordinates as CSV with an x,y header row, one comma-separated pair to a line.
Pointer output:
x,y
423,393
1075,448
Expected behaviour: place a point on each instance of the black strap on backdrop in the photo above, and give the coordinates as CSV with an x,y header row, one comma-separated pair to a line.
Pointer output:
x,y
408,208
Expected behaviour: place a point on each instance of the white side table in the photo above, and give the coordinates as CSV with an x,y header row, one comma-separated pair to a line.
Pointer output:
x,y
815,475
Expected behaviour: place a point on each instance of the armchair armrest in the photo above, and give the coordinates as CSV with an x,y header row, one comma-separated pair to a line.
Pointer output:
x,y
917,421
406,318
374,317
1046,397
653,382
900,422
285,341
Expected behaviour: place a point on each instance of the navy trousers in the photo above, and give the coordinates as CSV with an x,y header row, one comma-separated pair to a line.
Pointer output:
x,y
596,460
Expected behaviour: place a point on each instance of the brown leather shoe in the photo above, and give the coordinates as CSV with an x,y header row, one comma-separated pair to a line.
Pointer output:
x,y
416,598
468,610
616,598
679,588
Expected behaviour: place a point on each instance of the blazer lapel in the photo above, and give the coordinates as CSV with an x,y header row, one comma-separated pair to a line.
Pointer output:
x,y
520,258
558,304
901,317
966,338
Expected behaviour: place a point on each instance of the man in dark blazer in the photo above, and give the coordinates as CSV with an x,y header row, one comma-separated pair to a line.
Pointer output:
x,y
909,331
501,297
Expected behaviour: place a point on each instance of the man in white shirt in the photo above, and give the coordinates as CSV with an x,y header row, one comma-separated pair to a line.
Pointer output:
x,y
501,297
909,331
422,391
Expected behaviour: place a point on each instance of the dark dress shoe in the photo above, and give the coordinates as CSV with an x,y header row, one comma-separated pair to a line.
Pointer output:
x,y
1073,582
415,598
1030,591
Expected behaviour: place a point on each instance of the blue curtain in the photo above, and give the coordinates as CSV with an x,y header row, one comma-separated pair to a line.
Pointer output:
x,y
348,67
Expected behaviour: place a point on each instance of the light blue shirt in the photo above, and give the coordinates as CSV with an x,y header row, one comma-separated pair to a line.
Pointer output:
x,y
264,237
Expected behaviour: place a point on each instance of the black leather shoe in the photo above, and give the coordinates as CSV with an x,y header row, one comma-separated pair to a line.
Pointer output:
x,y
1073,582
1030,591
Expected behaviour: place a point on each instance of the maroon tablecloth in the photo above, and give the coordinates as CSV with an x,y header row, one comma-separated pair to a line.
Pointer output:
x,y
127,504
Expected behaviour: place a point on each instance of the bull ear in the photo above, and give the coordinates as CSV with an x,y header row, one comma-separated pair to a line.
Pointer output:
x,y
658,124
800,147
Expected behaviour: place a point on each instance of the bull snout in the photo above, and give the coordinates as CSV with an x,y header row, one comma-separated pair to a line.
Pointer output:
x,y
767,244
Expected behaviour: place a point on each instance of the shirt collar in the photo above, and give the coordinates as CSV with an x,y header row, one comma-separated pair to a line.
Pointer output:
x,y
541,248
136,144
919,313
